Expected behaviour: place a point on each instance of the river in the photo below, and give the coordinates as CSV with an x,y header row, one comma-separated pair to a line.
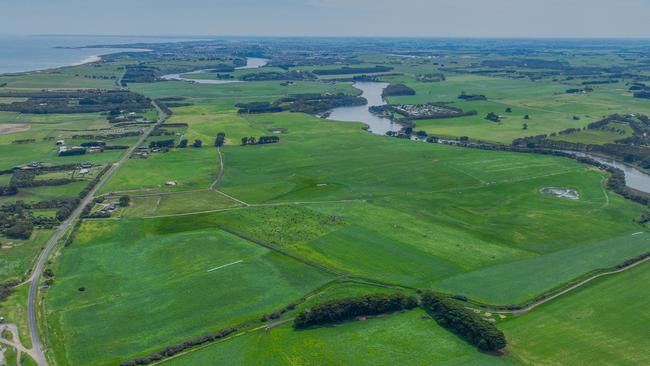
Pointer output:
x,y
251,63
372,92
634,178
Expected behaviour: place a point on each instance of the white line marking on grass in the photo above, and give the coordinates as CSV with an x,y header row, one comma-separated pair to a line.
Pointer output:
x,y
640,232
225,265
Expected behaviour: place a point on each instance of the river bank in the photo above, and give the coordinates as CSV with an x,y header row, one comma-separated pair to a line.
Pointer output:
x,y
251,63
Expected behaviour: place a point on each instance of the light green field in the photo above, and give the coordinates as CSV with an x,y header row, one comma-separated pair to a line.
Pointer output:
x,y
605,323
141,274
178,203
14,310
596,137
46,193
17,256
549,108
190,168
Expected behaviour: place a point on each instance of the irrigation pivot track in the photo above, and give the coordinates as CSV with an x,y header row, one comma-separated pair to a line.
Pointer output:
x,y
32,300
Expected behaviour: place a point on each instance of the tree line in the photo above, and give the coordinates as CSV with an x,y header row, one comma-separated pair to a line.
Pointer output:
x,y
336,311
260,141
178,348
464,322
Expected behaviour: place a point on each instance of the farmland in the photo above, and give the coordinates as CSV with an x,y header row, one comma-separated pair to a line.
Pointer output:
x,y
225,218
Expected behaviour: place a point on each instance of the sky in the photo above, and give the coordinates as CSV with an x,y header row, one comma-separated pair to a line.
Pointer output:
x,y
419,18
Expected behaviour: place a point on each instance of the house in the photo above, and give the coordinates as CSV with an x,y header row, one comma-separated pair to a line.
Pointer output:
x,y
60,142
34,164
87,165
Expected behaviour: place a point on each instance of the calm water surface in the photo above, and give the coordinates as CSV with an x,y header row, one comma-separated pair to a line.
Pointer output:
x,y
372,92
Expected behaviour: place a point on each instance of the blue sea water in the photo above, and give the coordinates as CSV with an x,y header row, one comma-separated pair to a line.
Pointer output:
x,y
28,53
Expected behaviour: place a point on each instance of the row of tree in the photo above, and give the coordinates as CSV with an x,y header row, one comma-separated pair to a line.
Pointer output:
x,y
220,140
464,322
261,141
178,348
336,311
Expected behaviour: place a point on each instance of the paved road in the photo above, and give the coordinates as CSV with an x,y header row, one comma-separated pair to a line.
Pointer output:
x,y
32,301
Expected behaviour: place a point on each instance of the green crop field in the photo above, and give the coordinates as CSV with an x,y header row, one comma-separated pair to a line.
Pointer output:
x,y
140,274
605,323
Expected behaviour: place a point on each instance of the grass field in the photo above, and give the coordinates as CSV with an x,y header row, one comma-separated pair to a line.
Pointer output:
x,y
410,338
141,274
13,309
178,203
549,108
189,168
17,256
605,323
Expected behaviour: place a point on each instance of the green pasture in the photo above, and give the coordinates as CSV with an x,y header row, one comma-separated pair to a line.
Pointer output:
x,y
177,203
190,168
604,323
146,282
409,338
17,256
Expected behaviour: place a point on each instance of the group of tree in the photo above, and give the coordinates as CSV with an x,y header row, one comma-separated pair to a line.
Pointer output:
x,y
430,78
139,74
393,90
493,117
346,70
471,97
260,141
78,101
311,103
464,322
274,75
340,310
221,138
161,144
6,289
576,91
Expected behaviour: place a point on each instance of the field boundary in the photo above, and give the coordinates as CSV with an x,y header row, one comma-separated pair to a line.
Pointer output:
x,y
568,287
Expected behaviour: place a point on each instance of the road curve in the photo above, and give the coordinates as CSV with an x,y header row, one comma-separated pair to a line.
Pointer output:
x,y
32,300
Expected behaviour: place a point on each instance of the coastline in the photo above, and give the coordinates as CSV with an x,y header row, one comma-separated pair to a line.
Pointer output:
x,y
88,60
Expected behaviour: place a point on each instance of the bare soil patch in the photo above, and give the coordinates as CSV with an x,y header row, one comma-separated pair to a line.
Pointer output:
x,y
8,128
560,192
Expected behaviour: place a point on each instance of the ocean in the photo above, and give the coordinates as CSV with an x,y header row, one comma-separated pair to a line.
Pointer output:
x,y
29,53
